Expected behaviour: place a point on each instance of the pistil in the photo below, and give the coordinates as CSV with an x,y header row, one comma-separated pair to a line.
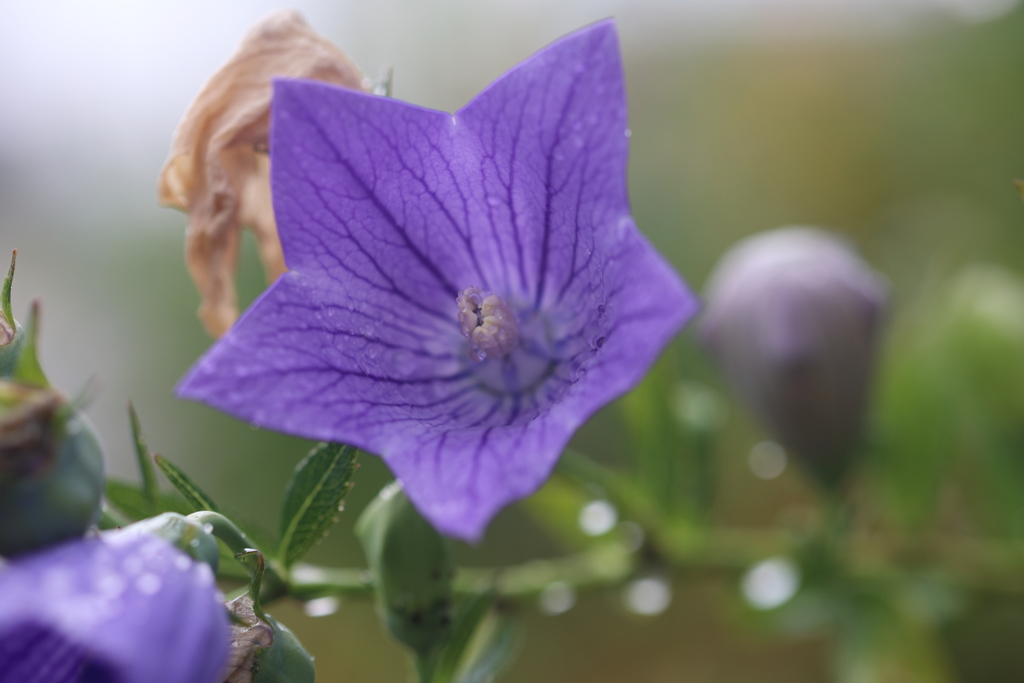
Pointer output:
x,y
488,322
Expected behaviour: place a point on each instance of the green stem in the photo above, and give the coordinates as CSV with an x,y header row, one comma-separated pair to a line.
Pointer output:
x,y
224,529
973,564
274,586
603,565
309,581
257,581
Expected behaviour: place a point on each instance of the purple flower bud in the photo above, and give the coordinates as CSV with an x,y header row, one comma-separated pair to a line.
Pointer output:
x,y
123,607
792,319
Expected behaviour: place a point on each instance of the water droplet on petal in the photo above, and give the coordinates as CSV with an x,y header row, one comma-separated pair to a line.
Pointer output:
x,y
133,565
110,585
148,584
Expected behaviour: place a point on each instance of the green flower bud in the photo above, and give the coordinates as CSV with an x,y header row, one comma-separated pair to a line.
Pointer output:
x,y
51,469
12,336
262,650
412,570
182,532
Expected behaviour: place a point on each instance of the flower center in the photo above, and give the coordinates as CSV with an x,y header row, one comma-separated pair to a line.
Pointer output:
x,y
488,322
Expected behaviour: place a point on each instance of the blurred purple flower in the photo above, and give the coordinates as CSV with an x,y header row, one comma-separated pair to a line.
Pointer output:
x,y
464,291
793,318
117,609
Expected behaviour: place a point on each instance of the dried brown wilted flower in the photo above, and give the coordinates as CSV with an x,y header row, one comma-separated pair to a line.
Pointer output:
x,y
218,170
250,636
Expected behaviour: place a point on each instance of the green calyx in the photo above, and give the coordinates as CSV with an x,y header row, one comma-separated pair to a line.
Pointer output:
x,y
26,366
51,470
412,569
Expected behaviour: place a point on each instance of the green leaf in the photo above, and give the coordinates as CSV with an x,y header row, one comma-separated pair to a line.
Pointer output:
x,y
192,493
883,640
467,618
149,484
654,432
132,502
495,654
27,370
313,497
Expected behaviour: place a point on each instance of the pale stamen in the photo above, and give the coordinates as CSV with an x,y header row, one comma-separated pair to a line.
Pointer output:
x,y
488,322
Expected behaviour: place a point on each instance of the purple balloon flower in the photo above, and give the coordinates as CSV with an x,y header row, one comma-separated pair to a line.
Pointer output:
x,y
117,609
464,290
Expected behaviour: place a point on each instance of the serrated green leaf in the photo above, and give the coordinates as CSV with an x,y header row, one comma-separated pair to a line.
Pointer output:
x,y
312,498
149,485
192,493
132,502
467,618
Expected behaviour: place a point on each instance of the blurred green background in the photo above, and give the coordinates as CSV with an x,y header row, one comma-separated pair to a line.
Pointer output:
x,y
900,129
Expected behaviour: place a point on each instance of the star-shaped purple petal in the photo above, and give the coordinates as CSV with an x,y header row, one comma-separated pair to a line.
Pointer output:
x,y
125,608
390,216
